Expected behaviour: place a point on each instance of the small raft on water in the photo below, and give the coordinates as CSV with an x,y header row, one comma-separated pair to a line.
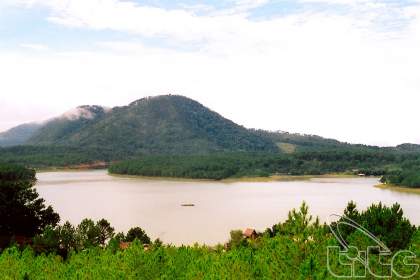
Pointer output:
x,y
187,205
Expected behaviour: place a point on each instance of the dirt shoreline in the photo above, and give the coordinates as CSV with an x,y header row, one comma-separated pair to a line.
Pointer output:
x,y
273,178
100,165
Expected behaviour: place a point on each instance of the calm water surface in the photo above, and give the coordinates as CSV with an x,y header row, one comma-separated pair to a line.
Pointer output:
x,y
155,205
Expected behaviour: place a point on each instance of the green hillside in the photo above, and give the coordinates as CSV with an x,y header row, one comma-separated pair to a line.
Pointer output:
x,y
58,130
19,134
295,142
167,124
155,125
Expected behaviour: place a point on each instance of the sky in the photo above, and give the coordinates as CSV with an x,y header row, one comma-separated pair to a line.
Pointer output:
x,y
343,69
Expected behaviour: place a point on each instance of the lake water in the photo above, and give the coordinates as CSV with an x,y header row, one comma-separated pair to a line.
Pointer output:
x,y
155,204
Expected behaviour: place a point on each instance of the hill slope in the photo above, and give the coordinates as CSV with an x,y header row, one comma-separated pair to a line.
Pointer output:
x,y
295,142
19,134
57,131
154,125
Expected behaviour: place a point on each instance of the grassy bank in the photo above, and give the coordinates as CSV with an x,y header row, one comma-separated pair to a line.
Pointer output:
x,y
398,188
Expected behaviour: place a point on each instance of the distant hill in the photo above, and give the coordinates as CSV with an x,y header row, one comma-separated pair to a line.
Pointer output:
x,y
294,142
59,130
166,124
409,147
18,135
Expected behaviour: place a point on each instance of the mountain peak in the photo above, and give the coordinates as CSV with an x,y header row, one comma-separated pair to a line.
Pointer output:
x,y
165,124
159,98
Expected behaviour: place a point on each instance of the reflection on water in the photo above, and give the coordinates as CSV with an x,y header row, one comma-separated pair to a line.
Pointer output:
x,y
155,205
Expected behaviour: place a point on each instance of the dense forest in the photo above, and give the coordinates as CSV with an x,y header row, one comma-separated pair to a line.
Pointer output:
x,y
396,167
58,156
407,174
405,177
18,135
222,166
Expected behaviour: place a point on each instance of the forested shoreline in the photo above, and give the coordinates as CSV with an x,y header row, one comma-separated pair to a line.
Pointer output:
x,y
406,177
239,165
394,166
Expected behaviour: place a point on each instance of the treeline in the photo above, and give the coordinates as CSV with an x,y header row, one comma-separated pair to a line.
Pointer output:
x,y
24,218
407,174
221,166
397,167
406,178
64,239
58,156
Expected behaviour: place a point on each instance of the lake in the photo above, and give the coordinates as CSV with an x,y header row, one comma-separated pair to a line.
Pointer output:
x,y
155,204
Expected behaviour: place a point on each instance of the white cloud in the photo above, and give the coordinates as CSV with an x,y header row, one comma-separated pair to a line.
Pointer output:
x,y
129,17
346,2
244,6
321,73
35,47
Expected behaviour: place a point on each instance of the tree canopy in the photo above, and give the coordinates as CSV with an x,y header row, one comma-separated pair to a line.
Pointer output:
x,y
22,211
231,165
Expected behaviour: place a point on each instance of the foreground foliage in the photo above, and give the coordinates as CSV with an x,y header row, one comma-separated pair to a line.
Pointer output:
x,y
22,212
294,249
386,223
63,239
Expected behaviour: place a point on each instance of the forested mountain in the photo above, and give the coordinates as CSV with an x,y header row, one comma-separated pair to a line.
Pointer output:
x,y
53,131
167,124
